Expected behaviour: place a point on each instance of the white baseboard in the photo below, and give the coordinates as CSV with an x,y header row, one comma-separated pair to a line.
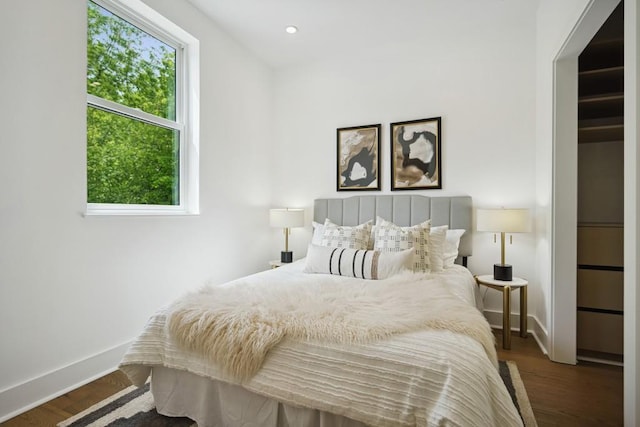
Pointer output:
x,y
534,327
29,394
541,335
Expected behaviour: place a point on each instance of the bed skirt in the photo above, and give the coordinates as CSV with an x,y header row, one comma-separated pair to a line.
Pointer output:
x,y
216,403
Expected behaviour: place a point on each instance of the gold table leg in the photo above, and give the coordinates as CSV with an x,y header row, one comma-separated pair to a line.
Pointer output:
x,y
523,311
506,317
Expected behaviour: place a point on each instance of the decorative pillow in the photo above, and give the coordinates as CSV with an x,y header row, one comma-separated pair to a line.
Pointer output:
x,y
318,231
451,247
372,237
362,264
437,239
390,237
340,236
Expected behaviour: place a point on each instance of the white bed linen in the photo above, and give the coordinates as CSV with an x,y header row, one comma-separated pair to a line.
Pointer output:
x,y
424,378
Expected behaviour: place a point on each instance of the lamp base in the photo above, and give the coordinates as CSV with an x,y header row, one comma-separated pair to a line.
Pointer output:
x,y
286,256
502,272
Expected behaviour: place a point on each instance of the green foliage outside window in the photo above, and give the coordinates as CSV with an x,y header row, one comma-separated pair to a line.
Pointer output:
x,y
130,161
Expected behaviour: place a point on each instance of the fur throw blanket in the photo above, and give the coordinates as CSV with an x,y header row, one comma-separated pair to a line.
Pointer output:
x,y
235,325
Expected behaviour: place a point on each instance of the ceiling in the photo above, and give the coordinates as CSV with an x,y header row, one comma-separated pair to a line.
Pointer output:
x,y
339,28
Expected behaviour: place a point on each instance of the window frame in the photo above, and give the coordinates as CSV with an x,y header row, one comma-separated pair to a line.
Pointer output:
x,y
187,108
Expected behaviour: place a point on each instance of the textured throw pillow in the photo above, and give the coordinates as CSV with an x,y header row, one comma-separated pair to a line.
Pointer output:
x,y
361,264
340,236
451,247
390,237
437,240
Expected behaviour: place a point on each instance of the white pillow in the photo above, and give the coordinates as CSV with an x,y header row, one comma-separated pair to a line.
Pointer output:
x,y
372,236
362,264
437,239
390,237
451,247
340,236
318,231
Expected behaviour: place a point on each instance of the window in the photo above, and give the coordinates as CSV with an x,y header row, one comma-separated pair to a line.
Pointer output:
x,y
142,112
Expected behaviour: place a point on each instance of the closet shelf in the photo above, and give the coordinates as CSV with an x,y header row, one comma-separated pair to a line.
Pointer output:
x,y
596,72
607,129
601,123
615,96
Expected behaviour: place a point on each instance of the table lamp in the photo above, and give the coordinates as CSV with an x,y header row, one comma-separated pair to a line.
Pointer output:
x,y
286,219
503,221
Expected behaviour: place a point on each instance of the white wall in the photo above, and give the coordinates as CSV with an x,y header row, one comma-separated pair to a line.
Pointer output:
x,y
480,79
71,287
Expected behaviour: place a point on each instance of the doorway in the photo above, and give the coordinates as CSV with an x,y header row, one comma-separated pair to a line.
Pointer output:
x,y
563,317
600,228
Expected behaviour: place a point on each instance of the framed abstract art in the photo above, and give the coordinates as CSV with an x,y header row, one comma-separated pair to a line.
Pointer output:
x,y
358,158
415,155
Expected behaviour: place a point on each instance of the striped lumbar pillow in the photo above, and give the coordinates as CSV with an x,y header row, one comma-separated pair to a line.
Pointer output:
x,y
358,263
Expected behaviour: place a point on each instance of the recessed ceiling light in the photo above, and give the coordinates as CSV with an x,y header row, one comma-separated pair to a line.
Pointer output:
x,y
291,29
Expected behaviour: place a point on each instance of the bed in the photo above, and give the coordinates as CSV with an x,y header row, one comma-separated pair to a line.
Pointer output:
x,y
428,361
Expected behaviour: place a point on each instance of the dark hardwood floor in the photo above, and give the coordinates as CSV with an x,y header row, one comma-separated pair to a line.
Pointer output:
x,y
587,394
69,404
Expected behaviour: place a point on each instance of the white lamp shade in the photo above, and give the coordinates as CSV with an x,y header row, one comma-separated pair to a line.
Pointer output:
x,y
286,218
503,220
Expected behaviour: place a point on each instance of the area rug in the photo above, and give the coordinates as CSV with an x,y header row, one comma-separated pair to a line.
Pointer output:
x,y
133,407
511,378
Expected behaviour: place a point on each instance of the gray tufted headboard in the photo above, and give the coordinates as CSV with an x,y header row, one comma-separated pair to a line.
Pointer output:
x,y
403,210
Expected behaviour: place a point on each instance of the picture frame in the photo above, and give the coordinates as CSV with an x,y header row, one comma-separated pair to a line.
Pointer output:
x,y
358,158
416,154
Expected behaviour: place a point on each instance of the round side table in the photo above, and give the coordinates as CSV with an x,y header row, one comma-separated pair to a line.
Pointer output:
x,y
506,287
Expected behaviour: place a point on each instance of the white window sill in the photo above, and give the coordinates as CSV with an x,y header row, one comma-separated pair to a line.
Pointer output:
x,y
138,211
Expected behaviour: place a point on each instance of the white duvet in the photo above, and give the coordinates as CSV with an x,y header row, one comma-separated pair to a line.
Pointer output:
x,y
423,378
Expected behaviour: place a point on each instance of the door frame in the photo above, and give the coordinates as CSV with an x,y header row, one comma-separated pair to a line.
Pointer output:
x,y
564,217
